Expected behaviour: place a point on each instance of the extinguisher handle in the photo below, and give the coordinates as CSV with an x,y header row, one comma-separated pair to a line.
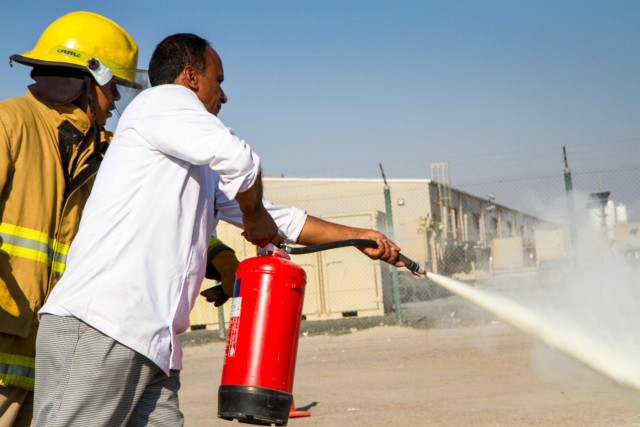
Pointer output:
x,y
271,249
413,266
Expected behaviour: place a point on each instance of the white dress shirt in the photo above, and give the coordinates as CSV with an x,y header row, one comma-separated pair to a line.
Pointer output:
x,y
136,265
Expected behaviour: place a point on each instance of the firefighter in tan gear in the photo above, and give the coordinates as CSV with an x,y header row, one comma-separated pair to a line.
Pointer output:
x,y
51,144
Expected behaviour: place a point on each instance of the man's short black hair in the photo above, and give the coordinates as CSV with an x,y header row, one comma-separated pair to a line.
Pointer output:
x,y
174,53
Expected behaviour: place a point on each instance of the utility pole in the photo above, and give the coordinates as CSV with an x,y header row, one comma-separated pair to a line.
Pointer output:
x,y
440,175
568,187
394,271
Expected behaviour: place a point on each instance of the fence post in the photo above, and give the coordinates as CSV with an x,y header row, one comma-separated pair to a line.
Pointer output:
x,y
568,187
394,271
221,326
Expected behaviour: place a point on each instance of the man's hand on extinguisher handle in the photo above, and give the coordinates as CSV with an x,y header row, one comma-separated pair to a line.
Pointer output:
x,y
260,229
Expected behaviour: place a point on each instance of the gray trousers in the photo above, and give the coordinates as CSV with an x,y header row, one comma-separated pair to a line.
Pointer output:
x,y
84,378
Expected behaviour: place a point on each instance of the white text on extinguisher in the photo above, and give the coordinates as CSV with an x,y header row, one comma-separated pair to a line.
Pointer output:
x,y
234,326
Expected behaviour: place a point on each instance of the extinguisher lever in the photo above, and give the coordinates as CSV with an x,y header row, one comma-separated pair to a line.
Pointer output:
x,y
271,249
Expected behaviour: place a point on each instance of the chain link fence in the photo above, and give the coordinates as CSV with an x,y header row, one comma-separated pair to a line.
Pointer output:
x,y
472,232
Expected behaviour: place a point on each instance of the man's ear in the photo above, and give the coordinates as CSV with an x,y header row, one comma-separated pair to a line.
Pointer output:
x,y
190,78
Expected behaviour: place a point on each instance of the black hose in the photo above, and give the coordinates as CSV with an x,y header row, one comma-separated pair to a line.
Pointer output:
x,y
413,266
331,245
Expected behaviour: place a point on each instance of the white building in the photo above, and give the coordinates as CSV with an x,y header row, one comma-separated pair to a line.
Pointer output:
x,y
446,229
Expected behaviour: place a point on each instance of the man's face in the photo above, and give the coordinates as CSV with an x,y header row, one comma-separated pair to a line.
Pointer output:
x,y
105,98
209,91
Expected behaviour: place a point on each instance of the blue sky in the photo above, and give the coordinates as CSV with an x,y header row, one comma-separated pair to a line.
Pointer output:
x,y
332,88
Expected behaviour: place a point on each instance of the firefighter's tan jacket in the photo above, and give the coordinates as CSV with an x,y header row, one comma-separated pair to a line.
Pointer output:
x,y
47,168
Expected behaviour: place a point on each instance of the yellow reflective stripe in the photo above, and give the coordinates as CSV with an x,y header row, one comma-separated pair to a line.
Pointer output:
x,y
59,261
34,245
59,267
62,249
15,359
28,253
17,381
18,371
26,233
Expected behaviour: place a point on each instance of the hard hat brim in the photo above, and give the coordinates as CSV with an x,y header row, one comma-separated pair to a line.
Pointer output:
x,y
26,60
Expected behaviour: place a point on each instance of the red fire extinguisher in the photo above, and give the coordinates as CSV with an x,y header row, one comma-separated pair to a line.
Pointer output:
x,y
262,342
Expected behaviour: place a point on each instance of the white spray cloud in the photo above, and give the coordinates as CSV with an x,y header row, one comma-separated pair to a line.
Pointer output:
x,y
592,313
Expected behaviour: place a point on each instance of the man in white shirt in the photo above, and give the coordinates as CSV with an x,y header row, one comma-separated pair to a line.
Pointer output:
x,y
135,268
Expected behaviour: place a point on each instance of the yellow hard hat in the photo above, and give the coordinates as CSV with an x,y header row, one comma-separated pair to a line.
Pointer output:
x,y
78,39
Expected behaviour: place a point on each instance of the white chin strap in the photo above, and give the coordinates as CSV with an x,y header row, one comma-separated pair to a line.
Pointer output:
x,y
99,71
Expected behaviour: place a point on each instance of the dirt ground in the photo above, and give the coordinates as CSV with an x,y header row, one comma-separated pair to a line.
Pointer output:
x,y
486,374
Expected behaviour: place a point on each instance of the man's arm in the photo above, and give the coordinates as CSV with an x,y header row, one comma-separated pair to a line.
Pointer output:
x,y
259,227
316,231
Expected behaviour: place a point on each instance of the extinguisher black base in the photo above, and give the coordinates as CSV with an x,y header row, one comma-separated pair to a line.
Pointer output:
x,y
254,405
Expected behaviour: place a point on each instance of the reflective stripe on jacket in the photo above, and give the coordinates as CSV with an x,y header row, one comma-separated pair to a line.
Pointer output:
x,y
34,245
47,168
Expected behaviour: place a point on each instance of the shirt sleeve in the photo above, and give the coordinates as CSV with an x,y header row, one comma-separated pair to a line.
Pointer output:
x,y
173,120
289,219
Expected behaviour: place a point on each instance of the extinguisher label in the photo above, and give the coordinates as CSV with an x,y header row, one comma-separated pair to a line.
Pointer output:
x,y
234,326
236,303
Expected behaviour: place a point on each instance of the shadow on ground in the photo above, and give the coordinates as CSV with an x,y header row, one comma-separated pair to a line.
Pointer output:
x,y
447,312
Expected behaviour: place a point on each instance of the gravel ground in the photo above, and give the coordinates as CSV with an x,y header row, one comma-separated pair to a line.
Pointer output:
x,y
448,364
